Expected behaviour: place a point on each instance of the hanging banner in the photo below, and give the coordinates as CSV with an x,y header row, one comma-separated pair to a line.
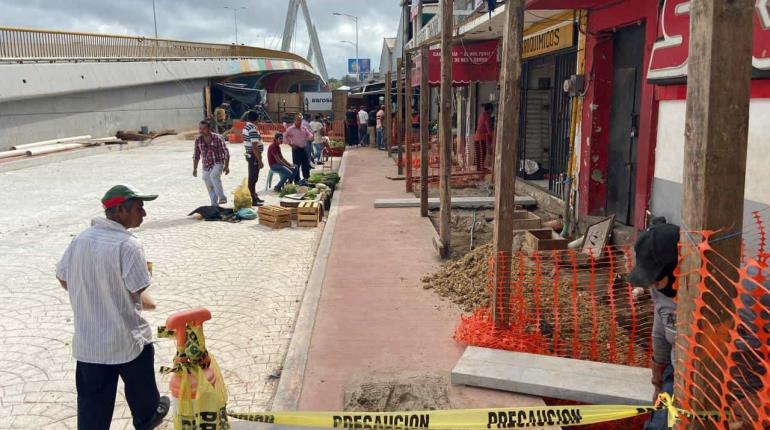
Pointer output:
x,y
471,62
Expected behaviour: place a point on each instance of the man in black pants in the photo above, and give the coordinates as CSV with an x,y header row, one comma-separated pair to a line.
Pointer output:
x,y
297,136
351,126
252,150
104,271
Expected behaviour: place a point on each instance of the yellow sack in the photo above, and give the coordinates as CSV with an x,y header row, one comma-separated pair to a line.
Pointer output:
x,y
208,410
242,196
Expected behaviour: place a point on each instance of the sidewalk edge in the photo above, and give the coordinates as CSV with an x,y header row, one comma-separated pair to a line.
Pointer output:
x,y
289,389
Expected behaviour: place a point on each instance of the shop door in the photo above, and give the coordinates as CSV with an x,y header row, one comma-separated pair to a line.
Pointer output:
x,y
561,119
628,48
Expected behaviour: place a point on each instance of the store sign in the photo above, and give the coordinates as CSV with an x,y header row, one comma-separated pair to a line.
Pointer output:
x,y
668,61
471,62
549,40
318,101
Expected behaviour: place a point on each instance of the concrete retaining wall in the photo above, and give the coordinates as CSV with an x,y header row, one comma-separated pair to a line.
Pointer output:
x,y
170,105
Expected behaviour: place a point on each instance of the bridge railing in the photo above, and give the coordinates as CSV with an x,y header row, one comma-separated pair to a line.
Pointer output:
x,y
19,44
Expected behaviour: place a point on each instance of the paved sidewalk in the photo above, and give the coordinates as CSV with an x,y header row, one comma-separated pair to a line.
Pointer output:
x,y
373,314
251,278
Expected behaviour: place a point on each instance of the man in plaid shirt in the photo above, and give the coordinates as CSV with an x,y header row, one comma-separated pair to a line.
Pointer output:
x,y
216,159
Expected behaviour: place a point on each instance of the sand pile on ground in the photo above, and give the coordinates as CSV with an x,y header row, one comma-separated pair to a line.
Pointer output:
x,y
463,281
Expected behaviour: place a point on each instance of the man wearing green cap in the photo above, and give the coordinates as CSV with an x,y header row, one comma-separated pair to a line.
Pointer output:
x,y
104,271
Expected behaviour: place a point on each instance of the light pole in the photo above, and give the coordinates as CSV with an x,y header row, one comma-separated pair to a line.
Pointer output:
x,y
358,61
235,18
155,19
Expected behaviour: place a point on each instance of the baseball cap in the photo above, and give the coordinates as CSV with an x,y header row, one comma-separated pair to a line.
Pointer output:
x,y
655,249
122,193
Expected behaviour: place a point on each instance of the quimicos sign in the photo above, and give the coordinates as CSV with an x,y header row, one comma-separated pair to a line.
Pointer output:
x,y
668,61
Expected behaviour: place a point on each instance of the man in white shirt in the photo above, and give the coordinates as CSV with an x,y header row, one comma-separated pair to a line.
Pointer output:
x,y
104,271
319,131
380,129
363,133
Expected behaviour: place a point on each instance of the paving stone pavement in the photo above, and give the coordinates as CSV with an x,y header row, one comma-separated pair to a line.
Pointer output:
x,y
250,277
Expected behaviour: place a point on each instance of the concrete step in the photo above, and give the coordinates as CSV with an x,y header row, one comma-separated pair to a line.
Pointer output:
x,y
561,378
457,202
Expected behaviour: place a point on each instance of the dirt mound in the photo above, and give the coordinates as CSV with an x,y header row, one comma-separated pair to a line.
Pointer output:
x,y
402,392
463,281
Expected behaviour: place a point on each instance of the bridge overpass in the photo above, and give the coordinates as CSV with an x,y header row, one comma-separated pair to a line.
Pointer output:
x,y
58,84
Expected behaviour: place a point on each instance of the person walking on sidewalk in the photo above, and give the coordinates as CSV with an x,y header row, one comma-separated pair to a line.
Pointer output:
x,y
380,129
483,137
104,272
657,256
252,150
363,134
211,148
298,136
279,165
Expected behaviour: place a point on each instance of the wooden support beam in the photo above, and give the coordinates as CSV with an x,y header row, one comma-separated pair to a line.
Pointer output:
x,y
445,127
400,115
409,138
506,136
388,114
424,128
716,139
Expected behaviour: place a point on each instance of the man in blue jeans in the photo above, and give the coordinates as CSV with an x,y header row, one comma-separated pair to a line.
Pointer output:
x,y
279,165
657,255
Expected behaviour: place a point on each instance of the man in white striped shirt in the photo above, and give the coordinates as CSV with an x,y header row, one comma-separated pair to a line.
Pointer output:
x,y
252,148
104,271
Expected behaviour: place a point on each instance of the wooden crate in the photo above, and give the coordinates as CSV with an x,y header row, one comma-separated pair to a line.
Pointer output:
x,y
275,216
292,206
308,214
526,220
545,240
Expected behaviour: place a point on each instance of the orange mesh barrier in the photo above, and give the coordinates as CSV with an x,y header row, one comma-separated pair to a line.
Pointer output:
x,y
724,354
565,303
470,165
268,130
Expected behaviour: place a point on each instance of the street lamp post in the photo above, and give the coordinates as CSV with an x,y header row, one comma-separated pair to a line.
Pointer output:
x,y
358,61
155,19
235,19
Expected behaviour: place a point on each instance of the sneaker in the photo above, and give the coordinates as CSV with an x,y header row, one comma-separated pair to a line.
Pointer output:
x,y
157,419
223,200
257,204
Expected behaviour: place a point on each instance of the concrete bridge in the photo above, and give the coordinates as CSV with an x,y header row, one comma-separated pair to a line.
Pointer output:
x,y
59,84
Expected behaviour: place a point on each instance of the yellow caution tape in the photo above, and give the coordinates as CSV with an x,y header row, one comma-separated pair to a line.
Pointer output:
x,y
471,419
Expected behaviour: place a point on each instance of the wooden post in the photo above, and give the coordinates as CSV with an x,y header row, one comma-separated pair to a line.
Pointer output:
x,y
400,114
388,126
445,127
716,138
424,128
418,19
408,137
506,136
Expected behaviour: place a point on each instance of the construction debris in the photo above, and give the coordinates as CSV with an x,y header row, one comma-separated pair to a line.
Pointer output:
x,y
138,135
464,281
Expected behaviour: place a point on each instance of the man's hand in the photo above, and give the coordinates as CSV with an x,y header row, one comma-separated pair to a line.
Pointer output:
x,y
195,173
227,170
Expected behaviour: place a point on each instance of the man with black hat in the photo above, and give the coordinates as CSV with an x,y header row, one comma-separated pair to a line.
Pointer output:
x,y
657,256
104,271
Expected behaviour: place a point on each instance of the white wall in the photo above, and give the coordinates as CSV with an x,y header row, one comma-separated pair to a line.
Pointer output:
x,y
669,158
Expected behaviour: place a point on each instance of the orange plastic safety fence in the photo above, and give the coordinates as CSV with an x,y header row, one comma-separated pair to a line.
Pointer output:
x,y
725,351
565,303
469,166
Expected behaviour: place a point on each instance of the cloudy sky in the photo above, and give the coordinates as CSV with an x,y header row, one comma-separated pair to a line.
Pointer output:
x,y
260,24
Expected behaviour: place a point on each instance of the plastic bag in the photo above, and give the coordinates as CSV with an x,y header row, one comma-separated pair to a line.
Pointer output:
x,y
208,410
246,213
242,196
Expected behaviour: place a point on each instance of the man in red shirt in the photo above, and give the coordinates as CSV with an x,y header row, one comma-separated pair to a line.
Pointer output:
x,y
483,137
210,147
278,164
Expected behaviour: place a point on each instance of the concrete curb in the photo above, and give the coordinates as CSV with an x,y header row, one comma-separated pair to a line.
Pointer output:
x,y
290,386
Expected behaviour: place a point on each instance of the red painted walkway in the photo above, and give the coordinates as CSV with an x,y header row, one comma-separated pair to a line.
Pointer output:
x,y
373,313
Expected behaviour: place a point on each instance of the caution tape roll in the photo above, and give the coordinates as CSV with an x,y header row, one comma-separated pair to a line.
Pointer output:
x,y
472,419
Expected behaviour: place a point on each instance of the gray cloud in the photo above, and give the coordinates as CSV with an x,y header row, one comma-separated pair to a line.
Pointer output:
x,y
207,21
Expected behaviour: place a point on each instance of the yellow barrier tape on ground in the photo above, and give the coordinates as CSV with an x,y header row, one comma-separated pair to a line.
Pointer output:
x,y
472,419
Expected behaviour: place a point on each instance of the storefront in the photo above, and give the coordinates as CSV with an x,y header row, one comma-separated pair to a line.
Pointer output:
x,y
550,58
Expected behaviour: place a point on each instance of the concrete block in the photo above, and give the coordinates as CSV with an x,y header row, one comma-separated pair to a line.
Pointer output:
x,y
562,378
457,202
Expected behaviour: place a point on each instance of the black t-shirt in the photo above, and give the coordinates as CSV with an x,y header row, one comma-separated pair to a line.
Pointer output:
x,y
350,118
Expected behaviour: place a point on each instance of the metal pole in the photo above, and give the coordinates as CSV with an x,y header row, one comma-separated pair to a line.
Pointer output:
x,y
235,20
154,19
358,61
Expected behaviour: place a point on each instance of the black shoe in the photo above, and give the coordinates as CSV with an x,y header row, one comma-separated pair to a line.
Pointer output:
x,y
257,204
157,419
256,199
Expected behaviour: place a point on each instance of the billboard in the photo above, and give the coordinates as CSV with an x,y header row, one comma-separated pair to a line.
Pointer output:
x,y
315,102
365,64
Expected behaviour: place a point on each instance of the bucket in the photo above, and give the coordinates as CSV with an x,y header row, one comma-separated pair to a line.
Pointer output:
x,y
237,132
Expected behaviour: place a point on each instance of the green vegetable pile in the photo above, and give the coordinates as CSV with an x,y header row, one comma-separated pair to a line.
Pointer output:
x,y
336,144
288,189
329,179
